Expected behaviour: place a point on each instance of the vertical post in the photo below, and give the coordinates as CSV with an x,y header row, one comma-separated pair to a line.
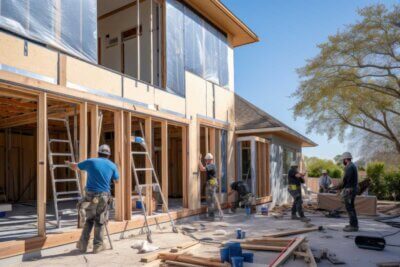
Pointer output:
x,y
149,175
94,130
119,157
253,166
42,163
62,70
207,138
138,37
83,132
164,160
184,166
219,158
268,175
151,44
128,165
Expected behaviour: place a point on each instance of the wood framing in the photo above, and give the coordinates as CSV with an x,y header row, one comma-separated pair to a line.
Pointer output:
x,y
128,165
41,163
119,148
149,176
138,37
94,130
164,161
185,175
83,139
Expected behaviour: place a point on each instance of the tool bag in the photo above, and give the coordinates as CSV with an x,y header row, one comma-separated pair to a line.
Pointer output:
x,y
370,242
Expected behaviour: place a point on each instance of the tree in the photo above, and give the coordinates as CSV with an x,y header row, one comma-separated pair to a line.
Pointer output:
x,y
354,81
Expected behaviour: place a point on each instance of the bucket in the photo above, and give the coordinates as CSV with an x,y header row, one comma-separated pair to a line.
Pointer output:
x,y
248,257
238,233
237,261
139,204
224,253
235,250
243,235
248,211
264,210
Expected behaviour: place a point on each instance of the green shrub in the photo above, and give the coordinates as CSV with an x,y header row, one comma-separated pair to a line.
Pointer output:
x,y
316,165
392,185
376,171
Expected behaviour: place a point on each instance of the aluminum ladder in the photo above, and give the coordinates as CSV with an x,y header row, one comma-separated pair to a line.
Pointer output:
x,y
139,187
61,196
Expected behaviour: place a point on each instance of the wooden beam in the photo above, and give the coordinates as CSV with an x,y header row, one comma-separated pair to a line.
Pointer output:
x,y
119,157
185,168
62,70
41,163
164,161
83,139
116,11
138,40
151,43
149,175
128,165
207,140
94,126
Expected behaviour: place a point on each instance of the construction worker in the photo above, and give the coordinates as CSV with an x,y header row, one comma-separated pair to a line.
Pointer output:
x,y
324,182
211,184
349,191
101,171
244,195
295,179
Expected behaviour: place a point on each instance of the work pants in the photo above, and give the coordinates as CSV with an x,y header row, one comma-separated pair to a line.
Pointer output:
x,y
349,199
211,191
297,202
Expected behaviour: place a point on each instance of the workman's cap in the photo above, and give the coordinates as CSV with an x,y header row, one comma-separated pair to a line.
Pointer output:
x,y
324,172
208,156
105,150
294,164
347,155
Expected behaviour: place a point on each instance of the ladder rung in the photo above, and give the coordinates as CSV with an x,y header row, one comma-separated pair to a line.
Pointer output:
x,y
60,166
58,141
61,154
68,198
143,169
139,153
57,119
68,193
148,185
65,180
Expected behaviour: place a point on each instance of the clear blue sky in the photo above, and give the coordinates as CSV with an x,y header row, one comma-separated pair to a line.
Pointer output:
x,y
289,31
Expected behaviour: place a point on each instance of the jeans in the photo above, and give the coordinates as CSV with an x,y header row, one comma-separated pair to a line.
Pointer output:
x,y
297,202
96,215
351,210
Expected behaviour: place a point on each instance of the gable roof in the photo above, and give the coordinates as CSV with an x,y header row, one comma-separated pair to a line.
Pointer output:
x,y
250,118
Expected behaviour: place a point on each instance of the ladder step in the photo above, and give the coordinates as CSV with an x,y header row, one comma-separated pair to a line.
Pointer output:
x,y
61,154
139,153
68,198
58,141
60,166
57,119
68,193
148,185
65,180
143,169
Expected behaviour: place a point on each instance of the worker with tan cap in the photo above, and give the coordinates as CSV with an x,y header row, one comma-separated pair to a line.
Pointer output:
x,y
324,182
212,183
349,191
101,172
295,179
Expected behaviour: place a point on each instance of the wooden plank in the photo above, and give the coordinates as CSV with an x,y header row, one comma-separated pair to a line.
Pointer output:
x,y
184,246
288,252
203,261
183,264
128,166
119,156
151,43
116,11
294,232
62,70
94,126
138,37
164,161
207,140
42,163
185,161
83,139
149,175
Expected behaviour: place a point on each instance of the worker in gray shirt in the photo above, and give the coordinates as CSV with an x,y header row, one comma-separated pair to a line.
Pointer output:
x,y
324,182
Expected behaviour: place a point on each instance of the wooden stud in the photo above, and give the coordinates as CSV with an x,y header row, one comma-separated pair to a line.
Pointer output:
x,y
151,44
207,140
62,70
128,165
119,147
94,130
83,139
138,40
185,161
164,161
149,175
42,163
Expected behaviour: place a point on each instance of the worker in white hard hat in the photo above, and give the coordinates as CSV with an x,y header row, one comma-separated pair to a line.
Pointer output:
x,y
212,183
349,191
101,172
324,182
295,179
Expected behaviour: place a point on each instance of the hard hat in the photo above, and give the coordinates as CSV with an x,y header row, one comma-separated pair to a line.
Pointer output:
x,y
105,150
347,155
208,156
294,164
324,172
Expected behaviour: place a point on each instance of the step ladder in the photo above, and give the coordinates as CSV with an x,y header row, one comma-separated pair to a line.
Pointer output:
x,y
145,153
61,196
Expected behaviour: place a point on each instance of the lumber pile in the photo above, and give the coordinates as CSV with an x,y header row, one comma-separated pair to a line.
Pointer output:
x,y
184,259
180,248
388,208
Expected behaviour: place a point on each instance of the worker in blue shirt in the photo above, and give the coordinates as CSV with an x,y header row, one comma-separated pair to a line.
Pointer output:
x,y
101,171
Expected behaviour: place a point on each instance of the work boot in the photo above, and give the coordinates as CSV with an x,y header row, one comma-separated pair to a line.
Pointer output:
x,y
295,217
82,246
98,249
304,219
349,228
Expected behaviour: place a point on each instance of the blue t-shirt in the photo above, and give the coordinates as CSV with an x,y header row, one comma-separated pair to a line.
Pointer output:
x,y
100,173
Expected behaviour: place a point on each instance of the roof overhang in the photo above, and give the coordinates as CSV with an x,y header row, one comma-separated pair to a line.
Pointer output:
x,y
281,132
221,16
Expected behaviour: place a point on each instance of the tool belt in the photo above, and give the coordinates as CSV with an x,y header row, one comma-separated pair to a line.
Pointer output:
x,y
293,187
213,182
92,198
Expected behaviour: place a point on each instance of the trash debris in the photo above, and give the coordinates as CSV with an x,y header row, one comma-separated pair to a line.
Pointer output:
x,y
143,246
